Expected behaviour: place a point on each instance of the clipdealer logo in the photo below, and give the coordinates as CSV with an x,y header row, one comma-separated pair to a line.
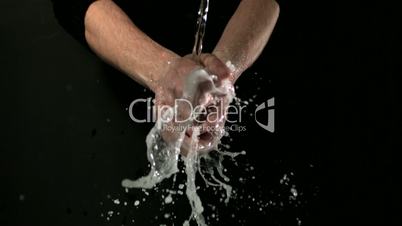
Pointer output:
x,y
231,110
270,122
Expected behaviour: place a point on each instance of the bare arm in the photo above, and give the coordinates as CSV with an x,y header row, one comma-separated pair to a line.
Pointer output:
x,y
247,33
116,39
112,36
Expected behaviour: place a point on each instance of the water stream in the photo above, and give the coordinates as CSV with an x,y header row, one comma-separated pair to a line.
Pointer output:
x,y
201,25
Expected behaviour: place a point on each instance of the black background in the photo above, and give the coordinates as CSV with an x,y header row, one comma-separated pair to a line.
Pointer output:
x,y
333,68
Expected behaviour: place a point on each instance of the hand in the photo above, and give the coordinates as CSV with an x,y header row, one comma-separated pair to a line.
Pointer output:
x,y
170,88
211,124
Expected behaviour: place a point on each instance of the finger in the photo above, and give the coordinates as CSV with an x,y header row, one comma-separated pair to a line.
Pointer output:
x,y
215,66
203,95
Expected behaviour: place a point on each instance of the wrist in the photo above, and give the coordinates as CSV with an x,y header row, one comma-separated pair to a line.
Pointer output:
x,y
235,70
166,59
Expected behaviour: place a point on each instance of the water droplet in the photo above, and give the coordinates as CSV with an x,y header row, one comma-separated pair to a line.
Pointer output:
x,y
21,197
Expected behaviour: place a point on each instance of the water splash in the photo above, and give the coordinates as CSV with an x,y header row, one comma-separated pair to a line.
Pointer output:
x,y
163,156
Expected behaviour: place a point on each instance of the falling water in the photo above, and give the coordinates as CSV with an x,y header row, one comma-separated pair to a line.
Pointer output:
x,y
201,25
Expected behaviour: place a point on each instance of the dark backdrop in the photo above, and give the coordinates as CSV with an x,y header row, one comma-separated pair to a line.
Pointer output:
x,y
333,68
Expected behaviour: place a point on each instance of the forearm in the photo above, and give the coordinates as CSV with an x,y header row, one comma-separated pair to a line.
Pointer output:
x,y
247,33
115,38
